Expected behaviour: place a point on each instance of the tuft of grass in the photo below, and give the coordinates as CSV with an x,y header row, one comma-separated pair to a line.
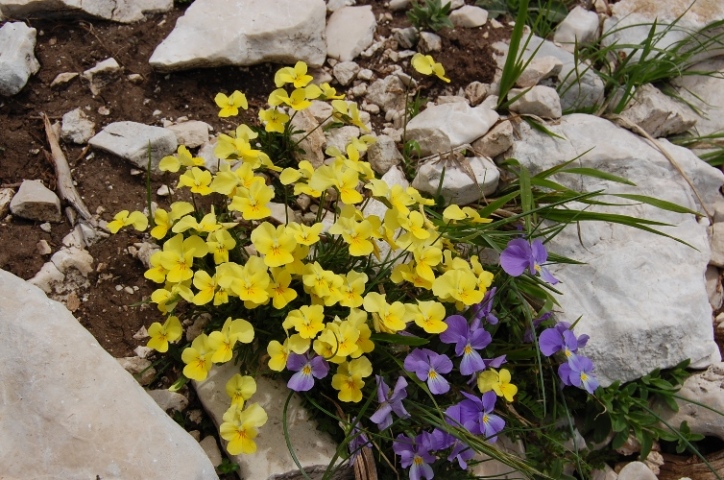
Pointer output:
x,y
543,16
430,15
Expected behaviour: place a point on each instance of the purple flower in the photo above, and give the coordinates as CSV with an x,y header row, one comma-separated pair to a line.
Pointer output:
x,y
579,373
476,415
416,454
461,452
389,403
430,366
307,368
468,339
520,255
560,338
485,307
358,442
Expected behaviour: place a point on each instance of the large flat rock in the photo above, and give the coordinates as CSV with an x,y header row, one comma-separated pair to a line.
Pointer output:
x,y
68,410
642,297
124,11
215,33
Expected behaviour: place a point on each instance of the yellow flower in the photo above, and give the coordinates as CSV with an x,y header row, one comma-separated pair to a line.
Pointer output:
x,y
197,180
125,218
276,245
219,243
460,285
353,288
278,354
178,254
273,119
156,273
161,335
230,105
426,65
279,290
164,220
355,234
239,146
253,202
207,287
389,318
252,282
348,379
296,75
329,92
305,235
240,429
240,389
222,342
197,358
307,320
172,163
430,316
498,382
348,112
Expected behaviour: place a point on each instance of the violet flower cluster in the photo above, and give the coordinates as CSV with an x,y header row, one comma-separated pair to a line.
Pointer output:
x,y
577,370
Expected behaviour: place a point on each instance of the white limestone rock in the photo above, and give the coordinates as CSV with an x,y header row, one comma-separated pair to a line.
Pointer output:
x,y
102,74
581,88
282,31
132,141
636,471
47,278
429,42
192,134
469,16
540,100
475,92
496,141
467,180
312,140
340,137
123,11
350,30
706,94
68,259
17,57
6,196
704,388
579,27
76,127
334,5
539,68
399,4
36,202
628,273
716,243
212,450
440,128
168,400
383,154
74,406
345,72
714,287
631,22
272,457
658,114
387,93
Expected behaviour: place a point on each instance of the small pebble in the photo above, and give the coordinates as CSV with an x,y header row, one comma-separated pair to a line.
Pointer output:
x,y
128,290
104,111
46,227
119,288
43,248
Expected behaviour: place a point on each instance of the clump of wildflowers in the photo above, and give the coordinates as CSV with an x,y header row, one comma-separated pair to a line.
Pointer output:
x,y
329,303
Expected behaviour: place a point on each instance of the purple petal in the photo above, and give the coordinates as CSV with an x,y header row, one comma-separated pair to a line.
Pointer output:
x,y
550,341
472,363
564,372
547,276
300,382
421,470
489,399
480,339
382,417
457,328
437,384
494,425
583,340
320,367
382,389
296,362
538,251
516,257
441,363
495,362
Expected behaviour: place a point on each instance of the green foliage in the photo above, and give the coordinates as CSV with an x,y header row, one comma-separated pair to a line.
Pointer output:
x,y
712,146
624,67
227,466
625,410
430,15
542,16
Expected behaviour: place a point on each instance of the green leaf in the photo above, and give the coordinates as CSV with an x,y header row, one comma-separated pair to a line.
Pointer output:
x,y
399,339
662,204
535,125
593,172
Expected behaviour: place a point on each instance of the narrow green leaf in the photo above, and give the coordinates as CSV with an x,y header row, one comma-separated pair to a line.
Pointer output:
x,y
595,173
662,204
399,339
